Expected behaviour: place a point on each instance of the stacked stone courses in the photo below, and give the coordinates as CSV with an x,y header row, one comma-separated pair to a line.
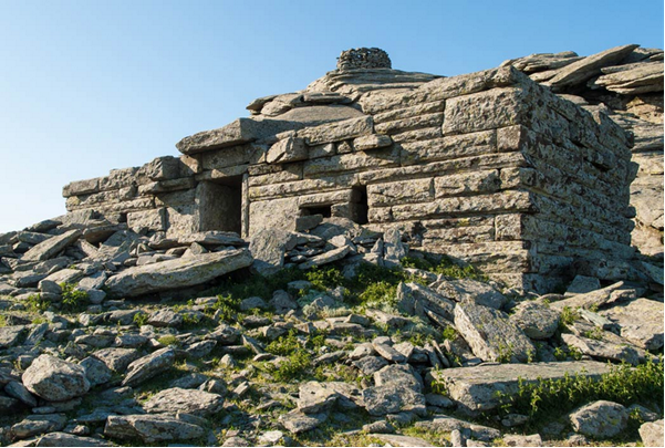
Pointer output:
x,y
490,167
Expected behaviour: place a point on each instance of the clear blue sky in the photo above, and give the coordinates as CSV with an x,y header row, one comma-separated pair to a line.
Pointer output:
x,y
87,86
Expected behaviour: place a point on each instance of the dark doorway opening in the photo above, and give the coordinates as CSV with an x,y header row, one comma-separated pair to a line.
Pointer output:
x,y
220,204
359,206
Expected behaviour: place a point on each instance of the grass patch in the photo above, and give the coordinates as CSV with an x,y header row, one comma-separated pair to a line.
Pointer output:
x,y
623,384
445,266
73,300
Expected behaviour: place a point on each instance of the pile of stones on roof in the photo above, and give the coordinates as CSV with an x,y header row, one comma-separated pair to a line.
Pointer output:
x,y
130,370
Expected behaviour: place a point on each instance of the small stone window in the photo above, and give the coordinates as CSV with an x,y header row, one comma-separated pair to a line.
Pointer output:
x,y
323,210
359,206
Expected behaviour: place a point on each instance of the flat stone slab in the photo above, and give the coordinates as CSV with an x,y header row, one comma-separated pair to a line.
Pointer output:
x,y
398,440
176,274
491,335
475,388
151,428
190,401
641,322
51,247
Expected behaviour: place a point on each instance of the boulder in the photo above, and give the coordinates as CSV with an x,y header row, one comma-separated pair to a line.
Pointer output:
x,y
616,292
535,319
37,424
190,401
297,422
399,440
175,274
63,439
651,433
52,246
641,322
399,375
391,399
491,335
475,388
444,423
117,359
151,428
53,379
149,366
603,350
465,289
600,419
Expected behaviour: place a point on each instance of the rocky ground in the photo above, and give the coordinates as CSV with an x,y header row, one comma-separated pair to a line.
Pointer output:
x,y
334,335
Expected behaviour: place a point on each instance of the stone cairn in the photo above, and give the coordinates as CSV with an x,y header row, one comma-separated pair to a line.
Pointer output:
x,y
363,58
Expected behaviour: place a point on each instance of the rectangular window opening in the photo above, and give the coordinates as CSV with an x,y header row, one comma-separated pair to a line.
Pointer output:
x,y
220,204
324,210
359,206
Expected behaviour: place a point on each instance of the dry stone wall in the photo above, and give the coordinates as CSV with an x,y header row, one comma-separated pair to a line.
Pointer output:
x,y
626,83
489,167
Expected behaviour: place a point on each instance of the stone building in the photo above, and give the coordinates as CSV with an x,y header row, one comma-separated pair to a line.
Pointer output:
x,y
491,167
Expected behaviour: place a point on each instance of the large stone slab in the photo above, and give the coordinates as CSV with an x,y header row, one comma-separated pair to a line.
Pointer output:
x,y
176,274
580,71
614,293
149,366
190,401
53,379
475,388
342,130
641,322
491,335
151,428
241,131
50,248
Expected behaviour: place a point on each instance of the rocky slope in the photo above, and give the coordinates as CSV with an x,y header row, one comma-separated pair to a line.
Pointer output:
x,y
331,334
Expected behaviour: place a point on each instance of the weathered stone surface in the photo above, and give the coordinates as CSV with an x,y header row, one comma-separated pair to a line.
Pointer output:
x,y
38,424
475,388
241,131
600,419
443,423
297,422
63,439
490,334
149,366
53,379
651,433
291,149
96,371
11,334
398,440
391,399
641,322
18,390
642,78
341,130
610,294
603,350
518,440
117,359
399,375
190,401
174,274
536,320
463,290
326,257
580,71
151,428
368,142
52,246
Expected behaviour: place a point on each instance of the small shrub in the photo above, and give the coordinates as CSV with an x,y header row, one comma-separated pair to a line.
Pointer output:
x,y
285,345
449,333
73,300
323,278
568,317
623,384
35,304
140,319
294,367
378,293
168,340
